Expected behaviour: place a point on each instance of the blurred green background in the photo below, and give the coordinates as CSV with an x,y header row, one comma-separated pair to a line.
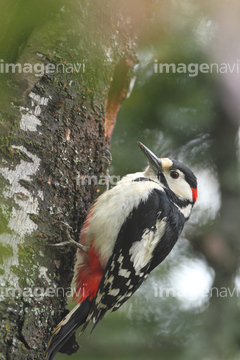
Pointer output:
x,y
189,306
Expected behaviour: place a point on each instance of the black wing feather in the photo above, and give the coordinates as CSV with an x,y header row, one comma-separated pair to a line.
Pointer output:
x,y
115,289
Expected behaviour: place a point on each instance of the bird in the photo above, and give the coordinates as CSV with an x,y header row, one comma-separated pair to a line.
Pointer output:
x,y
128,232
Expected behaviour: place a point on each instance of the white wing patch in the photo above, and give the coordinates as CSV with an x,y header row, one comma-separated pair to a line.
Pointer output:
x,y
141,251
114,292
125,273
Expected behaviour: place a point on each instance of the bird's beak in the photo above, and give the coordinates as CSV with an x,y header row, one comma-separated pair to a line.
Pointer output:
x,y
153,160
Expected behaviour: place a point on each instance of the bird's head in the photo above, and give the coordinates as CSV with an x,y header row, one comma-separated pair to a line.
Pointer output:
x,y
171,174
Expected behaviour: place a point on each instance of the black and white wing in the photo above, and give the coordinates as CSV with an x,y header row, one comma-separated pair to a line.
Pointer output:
x,y
145,239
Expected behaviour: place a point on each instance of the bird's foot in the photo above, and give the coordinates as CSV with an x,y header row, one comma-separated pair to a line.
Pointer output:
x,y
70,242
107,160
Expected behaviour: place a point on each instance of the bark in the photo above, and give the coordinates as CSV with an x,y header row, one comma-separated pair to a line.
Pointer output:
x,y
52,131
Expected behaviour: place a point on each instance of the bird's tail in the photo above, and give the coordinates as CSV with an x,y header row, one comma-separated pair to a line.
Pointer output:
x,y
67,327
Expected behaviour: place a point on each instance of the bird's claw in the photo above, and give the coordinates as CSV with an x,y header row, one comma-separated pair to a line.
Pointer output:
x,y
70,241
107,160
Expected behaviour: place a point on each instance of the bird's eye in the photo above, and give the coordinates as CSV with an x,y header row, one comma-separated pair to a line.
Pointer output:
x,y
174,174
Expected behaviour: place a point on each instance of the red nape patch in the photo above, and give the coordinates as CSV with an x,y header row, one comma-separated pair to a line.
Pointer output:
x,y
89,275
194,194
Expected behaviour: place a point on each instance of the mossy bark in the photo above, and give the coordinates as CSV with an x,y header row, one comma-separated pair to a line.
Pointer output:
x,y
52,128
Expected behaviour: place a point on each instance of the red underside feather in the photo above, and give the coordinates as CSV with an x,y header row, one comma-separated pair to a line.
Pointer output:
x,y
89,275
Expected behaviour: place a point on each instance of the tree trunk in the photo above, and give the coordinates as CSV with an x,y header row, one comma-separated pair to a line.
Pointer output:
x,y
52,129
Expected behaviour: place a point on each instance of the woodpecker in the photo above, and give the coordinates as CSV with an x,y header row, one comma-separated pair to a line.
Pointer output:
x,y
128,232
